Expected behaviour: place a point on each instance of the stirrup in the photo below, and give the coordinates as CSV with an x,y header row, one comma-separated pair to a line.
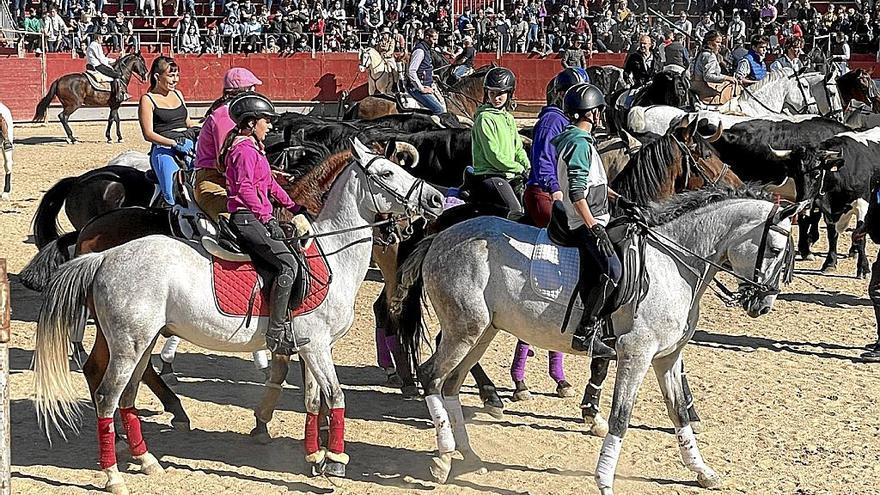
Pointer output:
x,y
285,342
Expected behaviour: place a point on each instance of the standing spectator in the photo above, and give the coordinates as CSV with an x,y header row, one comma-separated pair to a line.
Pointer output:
x,y
574,56
278,33
33,27
247,11
145,6
55,30
704,26
187,35
520,33
676,52
642,64
502,27
80,33
125,32
736,31
684,24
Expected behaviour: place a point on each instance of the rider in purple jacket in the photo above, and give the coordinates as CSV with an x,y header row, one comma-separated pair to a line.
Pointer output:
x,y
541,189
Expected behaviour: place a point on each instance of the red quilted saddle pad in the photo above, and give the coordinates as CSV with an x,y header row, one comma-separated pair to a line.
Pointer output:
x,y
234,283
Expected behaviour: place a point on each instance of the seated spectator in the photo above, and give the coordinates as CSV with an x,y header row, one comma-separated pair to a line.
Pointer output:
x,y
705,25
736,31
230,33
187,35
338,13
252,34
55,30
769,12
125,30
684,24
34,25
247,11
212,41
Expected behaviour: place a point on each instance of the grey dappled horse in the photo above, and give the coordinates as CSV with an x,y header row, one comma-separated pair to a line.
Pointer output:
x,y
477,277
133,297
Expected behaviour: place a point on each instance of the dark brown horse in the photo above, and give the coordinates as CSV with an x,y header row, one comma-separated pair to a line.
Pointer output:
x,y
462,98
858,85
75,91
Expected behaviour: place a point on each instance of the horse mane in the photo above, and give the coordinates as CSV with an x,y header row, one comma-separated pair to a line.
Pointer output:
x,y
772,77
690,201
642,180
311,189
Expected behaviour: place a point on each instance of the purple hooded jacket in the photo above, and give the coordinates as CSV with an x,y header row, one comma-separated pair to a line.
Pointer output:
x,y
551,123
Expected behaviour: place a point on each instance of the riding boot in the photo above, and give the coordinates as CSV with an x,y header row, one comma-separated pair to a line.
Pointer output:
x,y
280,336
588,336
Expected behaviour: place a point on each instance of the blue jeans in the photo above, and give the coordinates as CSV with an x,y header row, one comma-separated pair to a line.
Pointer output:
x,y
428,101
164,163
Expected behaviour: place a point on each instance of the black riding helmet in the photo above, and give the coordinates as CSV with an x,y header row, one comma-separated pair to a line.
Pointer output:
x,y
250,105
500,79
580,99
566,79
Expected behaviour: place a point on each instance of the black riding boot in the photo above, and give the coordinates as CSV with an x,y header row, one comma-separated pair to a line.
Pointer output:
x,y
588,336
280,336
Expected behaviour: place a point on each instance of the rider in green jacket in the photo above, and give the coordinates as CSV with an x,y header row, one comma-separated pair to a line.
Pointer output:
x,y
499,160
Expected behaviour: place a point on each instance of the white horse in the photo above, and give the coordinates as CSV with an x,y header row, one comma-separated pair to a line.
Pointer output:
x,y
480,277
6,138
133,297
785,91
381,74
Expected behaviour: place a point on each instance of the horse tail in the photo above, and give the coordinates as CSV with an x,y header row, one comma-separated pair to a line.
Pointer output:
x,y
36,275
406,305
46,217
63,311
43,105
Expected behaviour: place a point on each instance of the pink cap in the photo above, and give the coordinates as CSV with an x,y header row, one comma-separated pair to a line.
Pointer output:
x,y
239,77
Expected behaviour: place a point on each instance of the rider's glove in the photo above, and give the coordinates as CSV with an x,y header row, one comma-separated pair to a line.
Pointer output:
x,y
275,230
604,243
184,146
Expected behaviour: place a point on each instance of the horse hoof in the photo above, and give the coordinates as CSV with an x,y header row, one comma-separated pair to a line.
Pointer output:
x,y
494,411
394,381
335,469
598,425
260,433
152,468
807,257
440,467
410,392
828,268
109,141
4,196
181,425
521,395
606,491
115,483
317,469
117,489
119,140
564,389
709,479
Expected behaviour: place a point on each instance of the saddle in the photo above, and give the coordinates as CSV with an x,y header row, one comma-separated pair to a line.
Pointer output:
x,y
629,243
99,82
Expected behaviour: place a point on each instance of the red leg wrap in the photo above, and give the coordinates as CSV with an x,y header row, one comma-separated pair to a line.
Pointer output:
x,y
336,443
106,442
312,440
132,425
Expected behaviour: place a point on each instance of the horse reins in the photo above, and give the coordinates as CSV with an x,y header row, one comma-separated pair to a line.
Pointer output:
x,y
691,162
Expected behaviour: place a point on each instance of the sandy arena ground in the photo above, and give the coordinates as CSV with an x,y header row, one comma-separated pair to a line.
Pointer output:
x,y
787,407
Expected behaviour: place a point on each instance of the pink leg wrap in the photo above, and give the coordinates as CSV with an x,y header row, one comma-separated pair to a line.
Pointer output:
x,y
132,425
312,441
336,443
106,442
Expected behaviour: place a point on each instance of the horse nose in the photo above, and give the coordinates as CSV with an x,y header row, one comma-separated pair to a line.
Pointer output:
x,y
764,310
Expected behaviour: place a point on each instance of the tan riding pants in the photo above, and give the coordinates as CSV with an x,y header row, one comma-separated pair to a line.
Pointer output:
x,y
210,192
715,93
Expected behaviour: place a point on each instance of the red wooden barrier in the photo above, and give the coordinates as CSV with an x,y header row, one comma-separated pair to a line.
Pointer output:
x,y
289,78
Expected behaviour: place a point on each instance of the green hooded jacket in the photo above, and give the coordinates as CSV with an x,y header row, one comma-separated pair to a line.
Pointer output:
x,y
496,146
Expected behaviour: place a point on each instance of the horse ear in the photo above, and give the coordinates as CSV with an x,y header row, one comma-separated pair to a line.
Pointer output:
x,y
390,148
358,149
790,210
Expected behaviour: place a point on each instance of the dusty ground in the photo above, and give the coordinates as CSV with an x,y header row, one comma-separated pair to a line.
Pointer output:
x,y
787,407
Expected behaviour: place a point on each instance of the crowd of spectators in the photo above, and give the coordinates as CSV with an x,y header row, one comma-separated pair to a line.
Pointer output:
x,y
524,26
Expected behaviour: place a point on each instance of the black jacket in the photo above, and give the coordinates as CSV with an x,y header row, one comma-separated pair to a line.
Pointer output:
x,y
638,70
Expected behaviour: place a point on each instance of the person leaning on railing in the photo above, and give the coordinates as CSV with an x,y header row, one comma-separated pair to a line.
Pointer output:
x,y
33,27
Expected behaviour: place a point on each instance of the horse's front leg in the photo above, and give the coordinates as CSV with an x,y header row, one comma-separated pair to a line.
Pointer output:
x,y
669,375
632,365
118,125
320,380
110,121
830,264
592,392
263,412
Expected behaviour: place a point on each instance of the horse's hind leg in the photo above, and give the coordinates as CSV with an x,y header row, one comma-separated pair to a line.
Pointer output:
x,y
264,411
669,374
110,121
592,392
170,401
492,403
130,421
64,117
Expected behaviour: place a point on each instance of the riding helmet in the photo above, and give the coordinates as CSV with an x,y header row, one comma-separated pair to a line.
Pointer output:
x,y
500,79
568,78
581,98
250,105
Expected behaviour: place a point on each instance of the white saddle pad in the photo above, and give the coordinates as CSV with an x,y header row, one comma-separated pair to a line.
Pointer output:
x,y
98,81
554,271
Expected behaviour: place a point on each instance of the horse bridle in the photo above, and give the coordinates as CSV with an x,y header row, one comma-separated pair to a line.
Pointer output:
x,y
695,163
810,100
749,288
412,208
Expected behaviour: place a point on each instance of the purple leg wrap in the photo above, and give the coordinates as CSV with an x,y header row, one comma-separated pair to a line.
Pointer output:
x,y
518,366
383,353
557,372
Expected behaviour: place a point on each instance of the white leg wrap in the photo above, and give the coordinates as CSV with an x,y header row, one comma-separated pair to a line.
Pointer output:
x,y
261,359
456,417
445,439
170,349
607,464
690,454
